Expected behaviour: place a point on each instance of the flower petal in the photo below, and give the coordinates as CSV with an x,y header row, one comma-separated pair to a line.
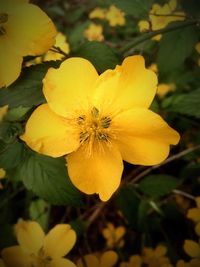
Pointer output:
x,y
10,64
90,260
59,241
69,87
30,236
15,257
192,248
98,173
30,30
108,259
127,86
49,134
61,263
143,137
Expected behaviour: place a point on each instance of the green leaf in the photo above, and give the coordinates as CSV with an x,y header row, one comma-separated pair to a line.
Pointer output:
x,y
175,47
137,8
47,178
191,7
11,155
158,185
101,55
27,90
187,104
16,114
128,202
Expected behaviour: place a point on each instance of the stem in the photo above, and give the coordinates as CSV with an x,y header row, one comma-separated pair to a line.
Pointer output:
x,y
172,158
149,35
182,193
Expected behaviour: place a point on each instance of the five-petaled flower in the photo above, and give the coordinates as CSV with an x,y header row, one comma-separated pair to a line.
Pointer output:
x,y
24,30
99,121
107,259
37,250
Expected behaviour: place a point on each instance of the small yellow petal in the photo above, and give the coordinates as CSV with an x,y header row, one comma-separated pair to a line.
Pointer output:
x,y
160,250
59,241
94,32
30,236
143,25
192,248
98,173
197,47
97,13
194,214
115,16
2,173
3,111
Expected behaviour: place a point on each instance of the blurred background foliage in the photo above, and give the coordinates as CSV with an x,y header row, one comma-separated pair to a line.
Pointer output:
x,y
152,202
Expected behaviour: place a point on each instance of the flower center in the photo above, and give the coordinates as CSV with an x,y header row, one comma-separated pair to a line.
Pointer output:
x,y
40,260
3,20
94,127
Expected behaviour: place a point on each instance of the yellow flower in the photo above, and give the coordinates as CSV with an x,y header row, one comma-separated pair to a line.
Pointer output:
x,y
24,30
192,263
164,88
144,25
107,259
192,248
194,215
2,176
99,121
156,257
98,13
94,32
36,249
115,16
134,261
114,235
161,16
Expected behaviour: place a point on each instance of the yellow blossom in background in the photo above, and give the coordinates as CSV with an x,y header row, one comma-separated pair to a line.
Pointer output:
x,y
156,257
104,120
134,261
114,235
36,249
191,263
2,176
167,14
107,259
98,13
192,248
94,32
153,67
144,25
164,88
194,215
115,16
24,30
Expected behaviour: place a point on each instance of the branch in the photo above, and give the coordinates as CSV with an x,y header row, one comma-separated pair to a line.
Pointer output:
x,y
172,158
146,36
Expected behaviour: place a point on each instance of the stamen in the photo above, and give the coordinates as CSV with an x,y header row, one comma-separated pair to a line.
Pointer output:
x,y
105,122
102,137
84,136
3,18
95,112
81,119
